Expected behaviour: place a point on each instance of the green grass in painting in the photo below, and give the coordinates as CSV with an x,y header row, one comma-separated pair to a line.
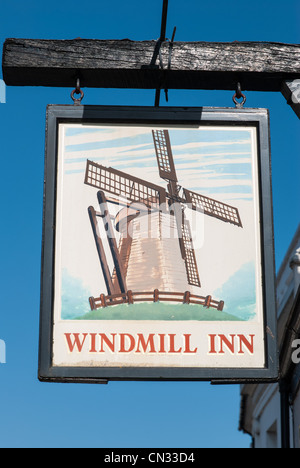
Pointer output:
x,y
158,311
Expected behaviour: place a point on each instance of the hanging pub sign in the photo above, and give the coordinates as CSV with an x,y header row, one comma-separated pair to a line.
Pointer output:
x,y
158,259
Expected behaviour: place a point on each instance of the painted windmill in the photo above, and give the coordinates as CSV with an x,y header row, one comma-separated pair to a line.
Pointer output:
x,y
140,262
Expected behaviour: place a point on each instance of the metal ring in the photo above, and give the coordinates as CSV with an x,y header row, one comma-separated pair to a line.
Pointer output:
x,y
77,90
77,101
239,104
239,95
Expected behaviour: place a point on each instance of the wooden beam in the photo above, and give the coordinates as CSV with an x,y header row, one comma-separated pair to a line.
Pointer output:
x,y
112,241
101,253
258,66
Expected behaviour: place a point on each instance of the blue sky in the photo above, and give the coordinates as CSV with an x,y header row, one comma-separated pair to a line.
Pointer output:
x,y
128,414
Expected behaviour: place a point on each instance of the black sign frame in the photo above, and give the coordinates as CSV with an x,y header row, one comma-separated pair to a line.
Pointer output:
x,y
259,118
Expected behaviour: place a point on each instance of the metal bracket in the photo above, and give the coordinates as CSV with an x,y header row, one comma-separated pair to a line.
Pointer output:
x,y
291,92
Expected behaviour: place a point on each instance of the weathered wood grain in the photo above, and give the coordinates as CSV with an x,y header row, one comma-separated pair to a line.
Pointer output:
x,y
128,64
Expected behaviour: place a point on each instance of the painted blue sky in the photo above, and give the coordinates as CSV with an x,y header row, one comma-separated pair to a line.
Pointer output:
x,y
177,414
199,156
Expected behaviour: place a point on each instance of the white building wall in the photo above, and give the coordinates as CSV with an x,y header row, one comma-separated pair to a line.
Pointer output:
x,y
289,274
264,413
296,421
266,419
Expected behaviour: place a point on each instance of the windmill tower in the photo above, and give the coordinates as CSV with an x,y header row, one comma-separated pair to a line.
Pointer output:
x,y
146,258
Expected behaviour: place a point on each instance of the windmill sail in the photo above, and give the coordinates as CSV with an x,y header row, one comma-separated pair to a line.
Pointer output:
x,y
124,185
190,257
213,208
167,171
164,155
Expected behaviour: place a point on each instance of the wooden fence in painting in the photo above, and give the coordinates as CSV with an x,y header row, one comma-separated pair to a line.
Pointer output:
x,y
154,296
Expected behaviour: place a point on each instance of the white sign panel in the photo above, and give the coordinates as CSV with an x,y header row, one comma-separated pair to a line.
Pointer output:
x,y
159,255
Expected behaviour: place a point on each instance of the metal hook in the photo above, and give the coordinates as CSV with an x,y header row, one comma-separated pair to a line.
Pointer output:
x,y
77,90
239,95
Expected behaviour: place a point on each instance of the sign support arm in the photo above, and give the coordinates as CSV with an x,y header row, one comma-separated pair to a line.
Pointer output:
x,y
291,92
